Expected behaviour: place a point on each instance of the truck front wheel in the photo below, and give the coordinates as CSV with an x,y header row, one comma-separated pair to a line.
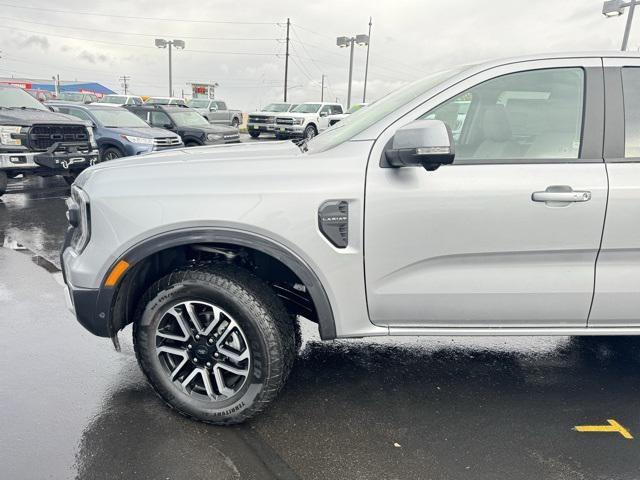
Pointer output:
x,y
235,123
310,132
3,183
215,343
254,134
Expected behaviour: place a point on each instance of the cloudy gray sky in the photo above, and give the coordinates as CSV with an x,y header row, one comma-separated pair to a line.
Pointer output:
x,y
240,44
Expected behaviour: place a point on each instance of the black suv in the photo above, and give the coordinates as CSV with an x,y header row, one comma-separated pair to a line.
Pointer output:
x,y
36,141
192,127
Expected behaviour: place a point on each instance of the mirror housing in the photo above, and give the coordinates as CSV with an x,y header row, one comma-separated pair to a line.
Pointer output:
x,y
324,114
421,143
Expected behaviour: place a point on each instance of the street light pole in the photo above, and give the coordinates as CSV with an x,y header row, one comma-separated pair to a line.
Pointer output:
x,y
615,8
349,42
179,44
627,28
170,44
366,66
350,75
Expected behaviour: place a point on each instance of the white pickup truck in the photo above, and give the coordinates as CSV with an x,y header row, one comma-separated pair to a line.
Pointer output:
x,y
306,120
264,120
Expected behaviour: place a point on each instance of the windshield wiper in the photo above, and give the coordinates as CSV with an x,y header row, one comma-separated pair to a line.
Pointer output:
x,y
24,108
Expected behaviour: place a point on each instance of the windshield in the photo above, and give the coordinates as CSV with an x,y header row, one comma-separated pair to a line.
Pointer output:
x,y
117,118
117,99
276,107
307,108
17,98
189,119
71,97
359,121
199,103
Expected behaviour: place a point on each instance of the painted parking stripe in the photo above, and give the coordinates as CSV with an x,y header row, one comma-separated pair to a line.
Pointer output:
x,y
613,427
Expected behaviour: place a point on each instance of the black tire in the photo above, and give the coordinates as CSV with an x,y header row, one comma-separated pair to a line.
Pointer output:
x,y
111,153
268,328
70,178
235,123
280,136
254,134
309,132
3,183
192,144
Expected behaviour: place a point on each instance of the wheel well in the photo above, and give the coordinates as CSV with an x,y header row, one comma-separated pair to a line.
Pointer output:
x,y
311,124
282,280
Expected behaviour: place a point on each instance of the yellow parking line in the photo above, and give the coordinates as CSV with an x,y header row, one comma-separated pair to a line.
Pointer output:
x,y
613,426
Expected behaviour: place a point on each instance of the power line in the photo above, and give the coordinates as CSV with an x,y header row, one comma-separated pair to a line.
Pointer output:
x,y
133,17
216,52
137,34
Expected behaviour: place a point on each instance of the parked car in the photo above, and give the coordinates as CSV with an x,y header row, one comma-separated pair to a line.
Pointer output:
x,y
306,120
216,111
165,101
36,141
501,232
119,132
41,95
192,127
264,121
120,100
75,97
333,119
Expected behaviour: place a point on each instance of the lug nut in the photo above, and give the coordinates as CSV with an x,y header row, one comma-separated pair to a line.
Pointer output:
x,y
195,360
208,364
216,354
197,337
189,346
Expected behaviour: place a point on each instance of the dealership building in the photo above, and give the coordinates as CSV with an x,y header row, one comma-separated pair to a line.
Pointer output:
x,y
64,86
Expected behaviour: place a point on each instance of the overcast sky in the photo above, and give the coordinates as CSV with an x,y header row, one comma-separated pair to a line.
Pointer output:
x,y
410,38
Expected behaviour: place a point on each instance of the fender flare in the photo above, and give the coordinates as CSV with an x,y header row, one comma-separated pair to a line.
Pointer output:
x,y
268,246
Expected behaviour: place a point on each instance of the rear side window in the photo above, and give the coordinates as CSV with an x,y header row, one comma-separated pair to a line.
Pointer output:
x,y
160,119
631,89
81,114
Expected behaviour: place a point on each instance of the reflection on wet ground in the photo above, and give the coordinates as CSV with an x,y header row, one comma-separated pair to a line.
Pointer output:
x,y
431,408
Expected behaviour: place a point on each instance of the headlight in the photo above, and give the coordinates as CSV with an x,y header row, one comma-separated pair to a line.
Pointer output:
x,y
79,216
298,121
6,135
92,138
139,140
212,137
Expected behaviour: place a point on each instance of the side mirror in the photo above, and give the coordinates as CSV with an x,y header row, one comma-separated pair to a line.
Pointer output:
x,y
213,108
324,114
421,143
168,126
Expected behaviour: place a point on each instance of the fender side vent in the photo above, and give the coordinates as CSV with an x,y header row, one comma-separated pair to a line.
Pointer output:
x,y
333,221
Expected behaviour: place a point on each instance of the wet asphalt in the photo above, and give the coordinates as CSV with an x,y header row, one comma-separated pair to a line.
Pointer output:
x,y
429,408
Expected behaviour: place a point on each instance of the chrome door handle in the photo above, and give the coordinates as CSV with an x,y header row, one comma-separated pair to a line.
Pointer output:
x,y
561,194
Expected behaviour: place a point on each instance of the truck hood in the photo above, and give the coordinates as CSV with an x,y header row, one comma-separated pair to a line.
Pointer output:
x,y
191,160
144,132
28,117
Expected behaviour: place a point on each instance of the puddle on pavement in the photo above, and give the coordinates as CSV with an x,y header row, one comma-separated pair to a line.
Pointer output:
x,y
13,244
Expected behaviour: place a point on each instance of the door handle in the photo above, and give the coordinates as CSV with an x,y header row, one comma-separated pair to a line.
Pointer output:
x,y
561,194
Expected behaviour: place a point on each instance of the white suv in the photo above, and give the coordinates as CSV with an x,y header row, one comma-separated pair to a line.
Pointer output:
x,y
306,120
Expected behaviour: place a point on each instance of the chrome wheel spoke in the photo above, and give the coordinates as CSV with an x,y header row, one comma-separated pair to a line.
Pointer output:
x,y
193,318
183,327
204,350
222,387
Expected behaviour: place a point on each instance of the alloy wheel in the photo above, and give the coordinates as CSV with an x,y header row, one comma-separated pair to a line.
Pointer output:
x,y
203,350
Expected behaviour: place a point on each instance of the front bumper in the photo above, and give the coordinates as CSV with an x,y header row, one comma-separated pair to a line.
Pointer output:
x,y
91,307
290,130
261,127
51,160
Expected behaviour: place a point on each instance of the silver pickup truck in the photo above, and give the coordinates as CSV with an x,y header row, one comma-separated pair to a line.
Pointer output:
x,y
524,223
216,112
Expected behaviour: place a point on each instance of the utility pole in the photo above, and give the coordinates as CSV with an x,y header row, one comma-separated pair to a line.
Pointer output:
x,y
286,61
125,83
162,43
322,89
627,29
366,68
